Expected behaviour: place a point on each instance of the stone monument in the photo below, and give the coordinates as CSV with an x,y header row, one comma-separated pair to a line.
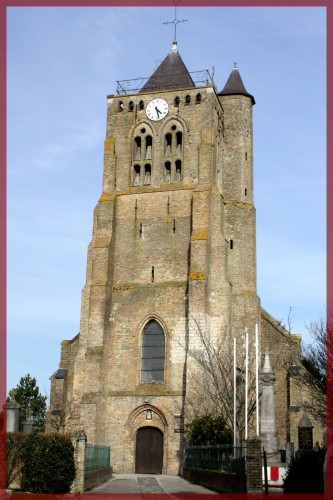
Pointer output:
x,y
28,425
12,416
268,430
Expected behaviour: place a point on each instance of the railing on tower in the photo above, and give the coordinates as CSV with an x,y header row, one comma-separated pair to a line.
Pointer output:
x,y
200,79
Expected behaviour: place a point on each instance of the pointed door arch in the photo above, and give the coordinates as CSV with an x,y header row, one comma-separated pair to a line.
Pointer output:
x,y
149,451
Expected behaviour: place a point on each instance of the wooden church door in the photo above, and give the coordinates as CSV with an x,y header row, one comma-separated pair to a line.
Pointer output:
x,y
149,451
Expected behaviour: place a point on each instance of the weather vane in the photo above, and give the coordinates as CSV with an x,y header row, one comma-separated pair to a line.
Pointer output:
x,y
176,21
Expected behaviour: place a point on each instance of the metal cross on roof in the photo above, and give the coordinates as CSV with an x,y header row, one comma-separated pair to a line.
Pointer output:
x,y
176,21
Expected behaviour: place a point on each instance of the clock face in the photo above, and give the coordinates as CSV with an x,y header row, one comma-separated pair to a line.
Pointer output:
x,y
157,109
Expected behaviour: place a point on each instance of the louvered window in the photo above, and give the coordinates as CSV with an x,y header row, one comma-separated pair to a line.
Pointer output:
x,y
173,153
142,151
152,355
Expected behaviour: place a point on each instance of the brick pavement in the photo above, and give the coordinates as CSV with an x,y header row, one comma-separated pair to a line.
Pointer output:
x,y
142,484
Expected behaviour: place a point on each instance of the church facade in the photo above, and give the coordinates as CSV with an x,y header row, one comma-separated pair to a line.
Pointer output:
x,y
174,244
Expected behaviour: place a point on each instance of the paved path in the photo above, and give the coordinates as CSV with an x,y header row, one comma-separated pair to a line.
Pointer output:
x,y
144,483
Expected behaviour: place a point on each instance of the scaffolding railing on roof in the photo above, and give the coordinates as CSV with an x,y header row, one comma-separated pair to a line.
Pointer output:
x,y
200,79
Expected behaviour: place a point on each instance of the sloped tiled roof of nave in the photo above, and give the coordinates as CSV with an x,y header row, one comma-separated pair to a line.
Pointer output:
x,y
171,74
235,85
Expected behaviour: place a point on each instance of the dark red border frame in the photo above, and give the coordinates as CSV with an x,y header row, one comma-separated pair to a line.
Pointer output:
x,y
159,3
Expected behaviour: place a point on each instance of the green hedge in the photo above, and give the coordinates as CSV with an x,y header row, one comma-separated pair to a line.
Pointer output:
x,y
208,430
48,463
14,446
305,472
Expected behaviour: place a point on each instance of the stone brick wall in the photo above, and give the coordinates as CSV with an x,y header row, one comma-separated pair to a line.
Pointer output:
x,y
221,482
95,477
253,466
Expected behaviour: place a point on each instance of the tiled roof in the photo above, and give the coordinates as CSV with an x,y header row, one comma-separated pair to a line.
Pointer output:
x,y
235,85
171,74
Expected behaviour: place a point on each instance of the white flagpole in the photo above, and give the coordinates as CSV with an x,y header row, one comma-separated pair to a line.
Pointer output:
x,y
257,379
235,404
246,376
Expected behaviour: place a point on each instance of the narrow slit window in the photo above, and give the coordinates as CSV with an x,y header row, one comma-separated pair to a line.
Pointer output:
x,y
178,173
198,98
141,105
231,244
187,99
246,156
168,142
147,179
136,181
152,274
177,101
149,144
167,171
179,141
152,353
174,226
245,192
131,106
140,230
137,148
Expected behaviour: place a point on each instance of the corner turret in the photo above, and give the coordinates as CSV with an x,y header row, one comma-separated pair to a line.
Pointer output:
x,y
235,85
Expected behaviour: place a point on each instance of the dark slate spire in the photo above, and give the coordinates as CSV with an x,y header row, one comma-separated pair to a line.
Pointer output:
x,y
171,74
235,85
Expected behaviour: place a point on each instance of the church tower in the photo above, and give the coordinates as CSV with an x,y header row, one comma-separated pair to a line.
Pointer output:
x,y
173,245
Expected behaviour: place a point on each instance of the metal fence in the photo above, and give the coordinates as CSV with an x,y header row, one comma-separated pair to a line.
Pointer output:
x,y
219,457
96,456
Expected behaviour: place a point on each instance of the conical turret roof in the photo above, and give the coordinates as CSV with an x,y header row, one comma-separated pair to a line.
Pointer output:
x,y
171,74
235,85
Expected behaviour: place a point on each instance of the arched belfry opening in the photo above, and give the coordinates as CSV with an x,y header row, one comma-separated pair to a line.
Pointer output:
x,y
173,152
141,152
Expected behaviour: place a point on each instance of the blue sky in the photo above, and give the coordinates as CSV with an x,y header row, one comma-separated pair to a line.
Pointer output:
x,y
63,62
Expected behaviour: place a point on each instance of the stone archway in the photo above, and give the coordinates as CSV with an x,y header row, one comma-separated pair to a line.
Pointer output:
x,y
149,451
143,417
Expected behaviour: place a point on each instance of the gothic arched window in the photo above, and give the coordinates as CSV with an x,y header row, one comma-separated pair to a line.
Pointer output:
x,y
152,353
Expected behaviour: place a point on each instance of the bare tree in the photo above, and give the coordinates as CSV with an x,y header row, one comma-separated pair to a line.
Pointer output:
x,y
317,364
64,418
211,381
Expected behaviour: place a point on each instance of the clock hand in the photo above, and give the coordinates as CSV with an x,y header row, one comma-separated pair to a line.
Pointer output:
x,y
158,112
